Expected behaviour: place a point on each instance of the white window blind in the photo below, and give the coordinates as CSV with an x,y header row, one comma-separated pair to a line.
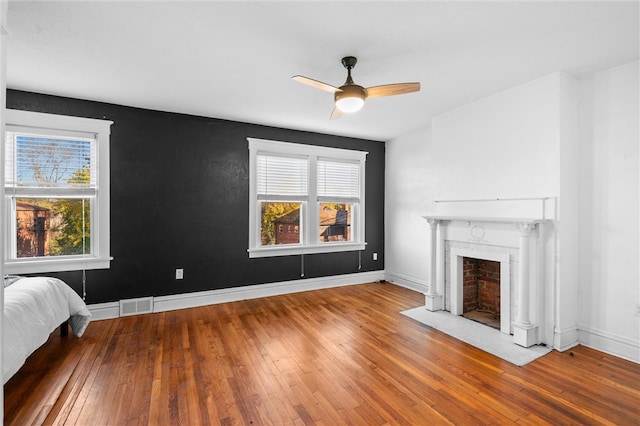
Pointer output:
x,y
281,176
339,179
35,161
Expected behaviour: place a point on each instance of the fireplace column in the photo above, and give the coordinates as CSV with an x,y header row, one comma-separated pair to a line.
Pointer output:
x,y
524,333
433,300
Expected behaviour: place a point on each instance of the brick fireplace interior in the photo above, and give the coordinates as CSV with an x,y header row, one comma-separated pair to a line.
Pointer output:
x,y
481,291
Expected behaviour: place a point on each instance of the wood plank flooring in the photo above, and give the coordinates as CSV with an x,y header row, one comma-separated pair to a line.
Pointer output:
x,y
337,356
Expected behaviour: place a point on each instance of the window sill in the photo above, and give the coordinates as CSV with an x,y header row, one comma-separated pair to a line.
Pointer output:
x,y
37,266
297,250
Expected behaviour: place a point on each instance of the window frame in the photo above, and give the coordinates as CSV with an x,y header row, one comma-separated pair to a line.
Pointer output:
x,y
309,217
61,125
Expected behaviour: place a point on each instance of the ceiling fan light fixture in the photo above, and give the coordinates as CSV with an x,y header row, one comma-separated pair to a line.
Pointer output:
x,y
350,98
349,104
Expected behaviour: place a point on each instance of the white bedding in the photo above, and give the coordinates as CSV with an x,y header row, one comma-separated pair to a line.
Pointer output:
x,y
33,308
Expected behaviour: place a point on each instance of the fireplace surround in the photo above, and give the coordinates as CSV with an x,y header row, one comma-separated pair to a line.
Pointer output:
x,y
510,241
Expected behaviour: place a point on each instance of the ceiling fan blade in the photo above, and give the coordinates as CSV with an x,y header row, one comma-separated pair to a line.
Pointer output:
x,y
336,114
391,89
315,83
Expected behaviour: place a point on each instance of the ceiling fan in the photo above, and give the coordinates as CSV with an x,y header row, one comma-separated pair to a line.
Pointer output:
x,y
350,97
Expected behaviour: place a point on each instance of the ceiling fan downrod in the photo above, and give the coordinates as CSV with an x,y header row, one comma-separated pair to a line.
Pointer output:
x,y
349,62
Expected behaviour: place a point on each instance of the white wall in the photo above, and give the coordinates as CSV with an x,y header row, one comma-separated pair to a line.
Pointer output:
x,y
609,292
502,146
3,85
408,195
565,290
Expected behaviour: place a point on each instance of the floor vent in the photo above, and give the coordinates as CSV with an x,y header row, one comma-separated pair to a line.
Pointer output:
x,y
143,305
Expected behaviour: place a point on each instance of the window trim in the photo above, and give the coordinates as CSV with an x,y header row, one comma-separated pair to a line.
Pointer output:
x,y
312,152
100,258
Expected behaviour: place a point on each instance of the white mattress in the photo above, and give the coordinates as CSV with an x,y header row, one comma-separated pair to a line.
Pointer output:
x,y
33,308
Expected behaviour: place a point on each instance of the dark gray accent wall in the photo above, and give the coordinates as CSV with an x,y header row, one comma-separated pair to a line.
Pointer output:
x,y
180,199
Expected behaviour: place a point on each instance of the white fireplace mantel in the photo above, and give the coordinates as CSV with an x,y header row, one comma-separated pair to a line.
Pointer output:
x,y
514,220
524,331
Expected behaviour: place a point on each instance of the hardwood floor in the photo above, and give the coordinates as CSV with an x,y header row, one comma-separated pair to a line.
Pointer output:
x,y
338,356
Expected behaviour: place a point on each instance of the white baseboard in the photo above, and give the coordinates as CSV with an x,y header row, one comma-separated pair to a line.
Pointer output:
x,y
234,294
565,339
609,343
407,282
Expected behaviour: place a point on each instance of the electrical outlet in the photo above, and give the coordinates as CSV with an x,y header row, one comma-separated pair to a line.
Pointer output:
x,y
375,256
179,274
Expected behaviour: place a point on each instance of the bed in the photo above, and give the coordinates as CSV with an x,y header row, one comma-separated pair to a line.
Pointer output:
x,y
33,308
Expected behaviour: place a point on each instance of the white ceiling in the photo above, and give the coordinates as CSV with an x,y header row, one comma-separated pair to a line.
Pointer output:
x,y
234,60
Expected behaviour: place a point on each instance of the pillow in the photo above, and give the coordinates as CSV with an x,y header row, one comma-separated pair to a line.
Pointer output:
x,y
10,279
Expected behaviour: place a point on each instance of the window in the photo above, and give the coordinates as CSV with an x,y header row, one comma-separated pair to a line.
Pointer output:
x,y
305,199
56,193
